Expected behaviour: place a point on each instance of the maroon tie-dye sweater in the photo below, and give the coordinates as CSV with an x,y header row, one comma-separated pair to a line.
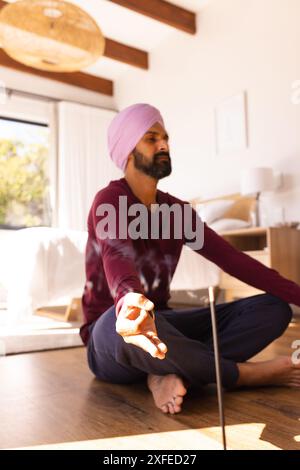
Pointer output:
x,y
115,267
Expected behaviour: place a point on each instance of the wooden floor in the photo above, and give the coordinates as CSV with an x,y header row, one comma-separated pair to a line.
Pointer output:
x,y
51,400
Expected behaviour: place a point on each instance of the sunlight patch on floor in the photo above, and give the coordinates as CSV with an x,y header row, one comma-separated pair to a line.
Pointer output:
x,y
239,436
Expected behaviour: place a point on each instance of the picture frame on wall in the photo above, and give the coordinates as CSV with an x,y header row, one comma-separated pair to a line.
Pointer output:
x,y
231,124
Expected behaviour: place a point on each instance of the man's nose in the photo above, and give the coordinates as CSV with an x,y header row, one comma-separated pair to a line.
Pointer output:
x,y
163,146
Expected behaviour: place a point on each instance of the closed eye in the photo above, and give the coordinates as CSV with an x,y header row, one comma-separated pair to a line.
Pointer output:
x,y
166,137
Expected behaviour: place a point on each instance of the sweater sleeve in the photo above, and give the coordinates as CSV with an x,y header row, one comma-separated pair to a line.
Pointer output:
x,y
247,269
118,255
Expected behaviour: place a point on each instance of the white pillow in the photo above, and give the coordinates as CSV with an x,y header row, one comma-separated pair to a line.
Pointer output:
x,y
213,210
228,224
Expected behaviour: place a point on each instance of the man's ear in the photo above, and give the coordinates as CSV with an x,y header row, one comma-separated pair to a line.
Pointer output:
x,y
129,159
128,162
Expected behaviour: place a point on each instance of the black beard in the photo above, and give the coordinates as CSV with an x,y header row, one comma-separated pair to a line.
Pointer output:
x,y
157,169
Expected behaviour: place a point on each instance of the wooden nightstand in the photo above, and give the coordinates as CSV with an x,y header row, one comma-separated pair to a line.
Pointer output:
x,y
276,247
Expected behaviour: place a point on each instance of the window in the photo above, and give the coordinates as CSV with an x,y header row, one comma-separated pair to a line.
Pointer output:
x,y
24,174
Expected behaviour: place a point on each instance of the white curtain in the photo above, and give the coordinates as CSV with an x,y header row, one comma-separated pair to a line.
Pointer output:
x,y
84,165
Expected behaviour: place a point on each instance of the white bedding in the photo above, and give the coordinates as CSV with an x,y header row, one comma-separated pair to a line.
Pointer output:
x,y
45,266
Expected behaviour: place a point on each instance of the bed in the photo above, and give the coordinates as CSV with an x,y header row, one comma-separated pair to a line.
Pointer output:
x,y
45,267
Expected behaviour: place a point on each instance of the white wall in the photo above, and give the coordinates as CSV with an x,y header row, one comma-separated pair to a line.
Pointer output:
x,y
240,45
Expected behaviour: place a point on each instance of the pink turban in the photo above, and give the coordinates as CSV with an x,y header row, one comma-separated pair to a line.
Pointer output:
x,y
127,128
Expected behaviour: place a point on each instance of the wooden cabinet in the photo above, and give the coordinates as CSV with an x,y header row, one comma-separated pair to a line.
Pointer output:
x,y
276,247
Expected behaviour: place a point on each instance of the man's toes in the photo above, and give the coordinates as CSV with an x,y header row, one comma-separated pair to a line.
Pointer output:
x,y
177,408
181,390
165,408
171,408
178,400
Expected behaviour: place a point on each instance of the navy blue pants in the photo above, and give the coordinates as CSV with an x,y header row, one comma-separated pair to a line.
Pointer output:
x,y
245,326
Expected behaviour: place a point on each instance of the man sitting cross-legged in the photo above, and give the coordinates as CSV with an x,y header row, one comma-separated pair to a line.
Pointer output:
x,y
130,331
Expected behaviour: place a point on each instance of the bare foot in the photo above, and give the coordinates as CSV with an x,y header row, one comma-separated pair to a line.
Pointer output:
x,y
279,371
168,392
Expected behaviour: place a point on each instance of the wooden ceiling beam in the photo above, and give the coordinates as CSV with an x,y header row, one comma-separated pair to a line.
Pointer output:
x,y
164,12
127,54
79,79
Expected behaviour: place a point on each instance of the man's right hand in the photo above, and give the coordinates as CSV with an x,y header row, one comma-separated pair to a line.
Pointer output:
x,y
135,323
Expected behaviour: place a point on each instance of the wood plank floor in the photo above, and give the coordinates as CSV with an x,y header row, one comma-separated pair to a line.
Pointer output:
x,y
51,400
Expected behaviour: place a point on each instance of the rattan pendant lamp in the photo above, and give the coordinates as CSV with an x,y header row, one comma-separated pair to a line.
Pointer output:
x,y
51,35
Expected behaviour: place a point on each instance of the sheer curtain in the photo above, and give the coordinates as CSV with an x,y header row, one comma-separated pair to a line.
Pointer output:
x,y
84,165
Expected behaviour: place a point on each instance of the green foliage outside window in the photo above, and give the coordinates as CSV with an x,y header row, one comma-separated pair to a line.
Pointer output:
x,y
24,198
